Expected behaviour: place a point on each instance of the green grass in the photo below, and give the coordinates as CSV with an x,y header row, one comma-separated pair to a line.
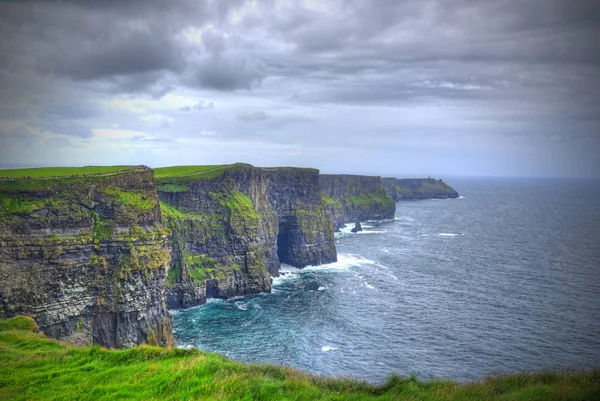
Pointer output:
x,y
175,171
170,211
20,204
130,198
101,229
371,199
328,200
178,174
239,205
46,172
34,367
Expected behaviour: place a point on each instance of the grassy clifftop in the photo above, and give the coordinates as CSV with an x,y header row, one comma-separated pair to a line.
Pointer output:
x,y
47,172
34,367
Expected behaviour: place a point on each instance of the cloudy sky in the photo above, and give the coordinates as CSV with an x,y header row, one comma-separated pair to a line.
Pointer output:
x,y
393,87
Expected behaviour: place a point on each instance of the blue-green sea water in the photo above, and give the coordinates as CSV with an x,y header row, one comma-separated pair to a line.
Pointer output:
x,y
506,278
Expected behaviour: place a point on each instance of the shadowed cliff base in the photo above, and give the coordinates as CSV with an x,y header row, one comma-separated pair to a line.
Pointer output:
x,y
35,367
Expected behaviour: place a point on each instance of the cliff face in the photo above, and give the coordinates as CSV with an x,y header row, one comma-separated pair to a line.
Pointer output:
x,y
417,188
86,257
352,198
231,228
93,259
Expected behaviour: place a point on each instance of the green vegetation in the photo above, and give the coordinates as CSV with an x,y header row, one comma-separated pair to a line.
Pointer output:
x,y
174,171
19,204
47,172
143,257
173,188
179,174
238,204
34,367
371,199
328,200
202,267
101,230
131,199
172,277
168,211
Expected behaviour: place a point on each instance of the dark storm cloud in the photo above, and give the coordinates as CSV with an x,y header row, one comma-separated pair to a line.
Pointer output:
x,y
133,45
507,68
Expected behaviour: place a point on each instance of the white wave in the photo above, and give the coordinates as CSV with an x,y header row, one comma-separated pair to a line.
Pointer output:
x,y
287,273
215,300
241,306
461,197
371,232
321,288
327,348
185,346
449,234
369,286
385,250
345,261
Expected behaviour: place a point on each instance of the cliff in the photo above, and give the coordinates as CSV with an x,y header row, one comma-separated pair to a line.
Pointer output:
x,y
352,198
87,257
232,226
417,188
93,258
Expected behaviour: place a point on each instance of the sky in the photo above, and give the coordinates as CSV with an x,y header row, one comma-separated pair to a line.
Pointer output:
x,y
387,87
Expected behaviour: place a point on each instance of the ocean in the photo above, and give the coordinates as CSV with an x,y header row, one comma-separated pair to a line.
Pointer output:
x,y
506,278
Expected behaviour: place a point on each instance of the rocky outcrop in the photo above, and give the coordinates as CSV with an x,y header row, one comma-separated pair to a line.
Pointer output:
x,y
351,198
86,257
417,188
357,227
231,229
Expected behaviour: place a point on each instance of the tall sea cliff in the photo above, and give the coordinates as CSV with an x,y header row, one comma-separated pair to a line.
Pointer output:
x,y
233,227
86,257
99,258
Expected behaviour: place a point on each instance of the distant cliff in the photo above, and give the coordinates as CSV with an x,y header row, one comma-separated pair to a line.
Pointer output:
x,y
417,188
233,226
352,198
86,257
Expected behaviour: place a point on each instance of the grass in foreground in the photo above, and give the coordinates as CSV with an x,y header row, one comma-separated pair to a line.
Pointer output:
x,y
47,172
34,367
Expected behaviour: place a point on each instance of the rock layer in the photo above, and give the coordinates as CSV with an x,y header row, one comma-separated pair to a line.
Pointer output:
x,y
417,188
86,257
